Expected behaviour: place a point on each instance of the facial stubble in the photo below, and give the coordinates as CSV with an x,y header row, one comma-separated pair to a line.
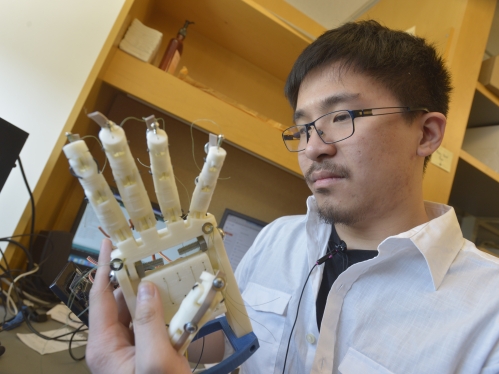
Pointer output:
x,y
329,212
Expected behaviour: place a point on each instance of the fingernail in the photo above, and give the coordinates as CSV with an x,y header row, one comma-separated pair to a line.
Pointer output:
x,y
146,291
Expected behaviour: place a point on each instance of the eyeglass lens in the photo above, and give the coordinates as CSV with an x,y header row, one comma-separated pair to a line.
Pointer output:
x,y
332,128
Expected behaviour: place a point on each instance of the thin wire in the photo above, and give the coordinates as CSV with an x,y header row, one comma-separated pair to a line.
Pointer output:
x,y
10,304
192,136
58,337
25,250
32,199
101,147
71,341
129,118
296,318
186,190
19,277
200,356
140,162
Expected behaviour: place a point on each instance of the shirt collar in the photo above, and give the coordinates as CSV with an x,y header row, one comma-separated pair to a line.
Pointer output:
x,y
438,240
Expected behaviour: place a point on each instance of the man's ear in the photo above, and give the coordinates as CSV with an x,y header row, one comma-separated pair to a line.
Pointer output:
x,y
432,133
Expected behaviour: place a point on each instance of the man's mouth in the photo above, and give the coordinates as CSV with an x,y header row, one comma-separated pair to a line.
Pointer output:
x,y
325,174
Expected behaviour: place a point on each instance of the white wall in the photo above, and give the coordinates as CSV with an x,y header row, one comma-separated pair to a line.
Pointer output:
x,y
47,50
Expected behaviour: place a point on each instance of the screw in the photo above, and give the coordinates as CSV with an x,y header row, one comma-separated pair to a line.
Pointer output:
x,y
218,283
116,264
207,228
190,327
222,232
113,279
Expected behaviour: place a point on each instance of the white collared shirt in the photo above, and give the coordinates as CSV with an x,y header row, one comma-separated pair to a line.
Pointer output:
x,y
428,303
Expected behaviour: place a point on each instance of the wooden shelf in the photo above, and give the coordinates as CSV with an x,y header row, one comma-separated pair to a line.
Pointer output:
x,y
485,108
480,166
475,187
243,27
188,104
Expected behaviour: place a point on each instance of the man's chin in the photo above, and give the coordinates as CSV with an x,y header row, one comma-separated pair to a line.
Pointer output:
x,y
335,214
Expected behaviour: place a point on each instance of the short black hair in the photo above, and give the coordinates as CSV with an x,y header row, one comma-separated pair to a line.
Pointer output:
x,y
406,65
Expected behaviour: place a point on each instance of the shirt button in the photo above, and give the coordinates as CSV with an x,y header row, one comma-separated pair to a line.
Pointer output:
x,y
311,338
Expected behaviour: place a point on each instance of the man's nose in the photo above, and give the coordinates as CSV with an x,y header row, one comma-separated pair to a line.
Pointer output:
x,y
317,149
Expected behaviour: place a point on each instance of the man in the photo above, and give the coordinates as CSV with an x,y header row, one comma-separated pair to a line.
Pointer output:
x,y
388,279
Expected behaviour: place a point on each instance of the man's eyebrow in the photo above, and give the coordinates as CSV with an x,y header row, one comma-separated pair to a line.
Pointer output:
x,y
329,102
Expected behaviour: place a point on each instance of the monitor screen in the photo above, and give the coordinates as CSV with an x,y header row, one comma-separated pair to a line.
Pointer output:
x,y
240,233
88,237
12,140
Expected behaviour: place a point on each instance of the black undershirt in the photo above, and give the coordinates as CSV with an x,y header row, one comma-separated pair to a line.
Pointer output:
x,y
334,267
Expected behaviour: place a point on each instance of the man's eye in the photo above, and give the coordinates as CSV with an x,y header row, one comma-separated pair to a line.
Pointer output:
x,y
341,117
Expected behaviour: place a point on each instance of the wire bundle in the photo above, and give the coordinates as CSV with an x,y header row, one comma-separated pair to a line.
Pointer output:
x,y
26,291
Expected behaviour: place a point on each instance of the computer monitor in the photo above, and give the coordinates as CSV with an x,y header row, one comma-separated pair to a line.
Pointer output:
x,y
240,233
12,140
87,235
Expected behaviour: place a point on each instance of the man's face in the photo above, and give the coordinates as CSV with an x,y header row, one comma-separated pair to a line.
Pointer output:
x,y
370,174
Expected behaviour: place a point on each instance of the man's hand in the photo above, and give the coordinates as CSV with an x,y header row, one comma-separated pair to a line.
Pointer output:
x,y
112,346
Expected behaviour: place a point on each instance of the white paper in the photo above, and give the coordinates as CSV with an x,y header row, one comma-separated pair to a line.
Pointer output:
x,y
61,312
44,346
239,236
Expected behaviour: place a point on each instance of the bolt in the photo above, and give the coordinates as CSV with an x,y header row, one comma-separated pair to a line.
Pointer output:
x,y
207,228
222,232
113,279
116,264
190,327
218,283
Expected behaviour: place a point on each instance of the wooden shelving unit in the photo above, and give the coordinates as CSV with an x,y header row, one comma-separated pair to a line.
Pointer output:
x,y
243,27
485,108
476,185
187,103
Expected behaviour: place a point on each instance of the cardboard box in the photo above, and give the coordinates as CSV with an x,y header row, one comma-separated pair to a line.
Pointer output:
x,y
483,144
489,74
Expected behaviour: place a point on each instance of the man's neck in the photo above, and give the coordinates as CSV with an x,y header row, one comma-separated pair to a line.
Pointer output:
x,y
369,233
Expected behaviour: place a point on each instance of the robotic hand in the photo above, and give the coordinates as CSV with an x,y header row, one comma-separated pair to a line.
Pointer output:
x,y
199,285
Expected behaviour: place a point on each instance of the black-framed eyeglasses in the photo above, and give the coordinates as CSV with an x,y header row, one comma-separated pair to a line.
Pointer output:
x,y
335,126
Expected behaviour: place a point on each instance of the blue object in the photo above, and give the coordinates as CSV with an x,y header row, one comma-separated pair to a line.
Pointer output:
x,y
16,321
244,346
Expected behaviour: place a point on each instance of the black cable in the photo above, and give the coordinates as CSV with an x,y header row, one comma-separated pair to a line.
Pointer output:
x,y
32,199
25,250
58,337
9,272
71,319
338,249
6,263
201,355
297,311
71,341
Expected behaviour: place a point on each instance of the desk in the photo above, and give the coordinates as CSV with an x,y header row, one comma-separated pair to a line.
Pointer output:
x,y
20,359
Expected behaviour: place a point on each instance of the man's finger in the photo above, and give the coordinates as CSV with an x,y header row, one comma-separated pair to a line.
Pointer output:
x,y
103,309
123,313
151,335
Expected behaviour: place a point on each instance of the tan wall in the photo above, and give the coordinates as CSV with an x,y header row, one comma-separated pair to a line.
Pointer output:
x,y
459,29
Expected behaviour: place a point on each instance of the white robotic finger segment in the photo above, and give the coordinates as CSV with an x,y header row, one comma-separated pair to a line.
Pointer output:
x,y
207,181
97,190
236,316
127,177
162,173
189,309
